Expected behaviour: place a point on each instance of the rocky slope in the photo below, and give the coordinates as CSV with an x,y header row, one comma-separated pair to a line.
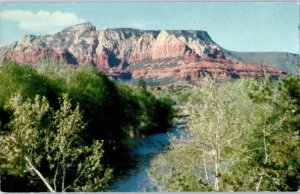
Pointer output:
x,y
130,53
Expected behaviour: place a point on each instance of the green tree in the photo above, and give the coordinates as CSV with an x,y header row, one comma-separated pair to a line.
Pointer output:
x,y
156,113
242,136
20,143
49,146
141,83
220,117
21,78
272,161
111,111
276,141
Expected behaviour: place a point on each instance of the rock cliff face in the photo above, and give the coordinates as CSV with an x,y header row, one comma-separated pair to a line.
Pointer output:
x,y
130,53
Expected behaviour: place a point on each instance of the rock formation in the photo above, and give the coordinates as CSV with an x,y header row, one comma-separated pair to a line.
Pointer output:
x,y
130,53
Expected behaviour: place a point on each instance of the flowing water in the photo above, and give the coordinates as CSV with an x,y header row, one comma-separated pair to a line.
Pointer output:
x,y
143,150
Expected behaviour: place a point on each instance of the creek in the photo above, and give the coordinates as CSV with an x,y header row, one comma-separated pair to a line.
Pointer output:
x,y
142,151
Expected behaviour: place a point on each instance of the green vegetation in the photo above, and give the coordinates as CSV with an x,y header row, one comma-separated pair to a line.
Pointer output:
x,y
242,136
61,128
40,137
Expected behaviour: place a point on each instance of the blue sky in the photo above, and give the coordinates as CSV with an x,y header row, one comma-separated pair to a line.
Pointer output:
x,y
244,26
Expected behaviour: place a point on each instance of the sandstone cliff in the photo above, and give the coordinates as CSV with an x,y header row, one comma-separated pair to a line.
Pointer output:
x,y
130,53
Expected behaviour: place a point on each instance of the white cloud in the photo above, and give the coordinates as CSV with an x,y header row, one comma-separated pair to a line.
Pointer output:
x,y
42,21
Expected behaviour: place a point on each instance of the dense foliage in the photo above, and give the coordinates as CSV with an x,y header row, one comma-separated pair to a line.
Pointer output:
x,y
60,127
242,136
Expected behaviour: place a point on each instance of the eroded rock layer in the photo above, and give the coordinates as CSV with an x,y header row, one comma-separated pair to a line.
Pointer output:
x,y
131,53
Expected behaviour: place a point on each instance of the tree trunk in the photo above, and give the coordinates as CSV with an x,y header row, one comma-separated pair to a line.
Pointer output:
x,y
40,175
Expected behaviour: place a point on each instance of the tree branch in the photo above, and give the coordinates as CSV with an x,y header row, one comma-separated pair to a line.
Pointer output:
x,y
40,175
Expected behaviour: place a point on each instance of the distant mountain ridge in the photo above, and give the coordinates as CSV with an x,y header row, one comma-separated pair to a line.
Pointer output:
x,y
127,53
282,60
